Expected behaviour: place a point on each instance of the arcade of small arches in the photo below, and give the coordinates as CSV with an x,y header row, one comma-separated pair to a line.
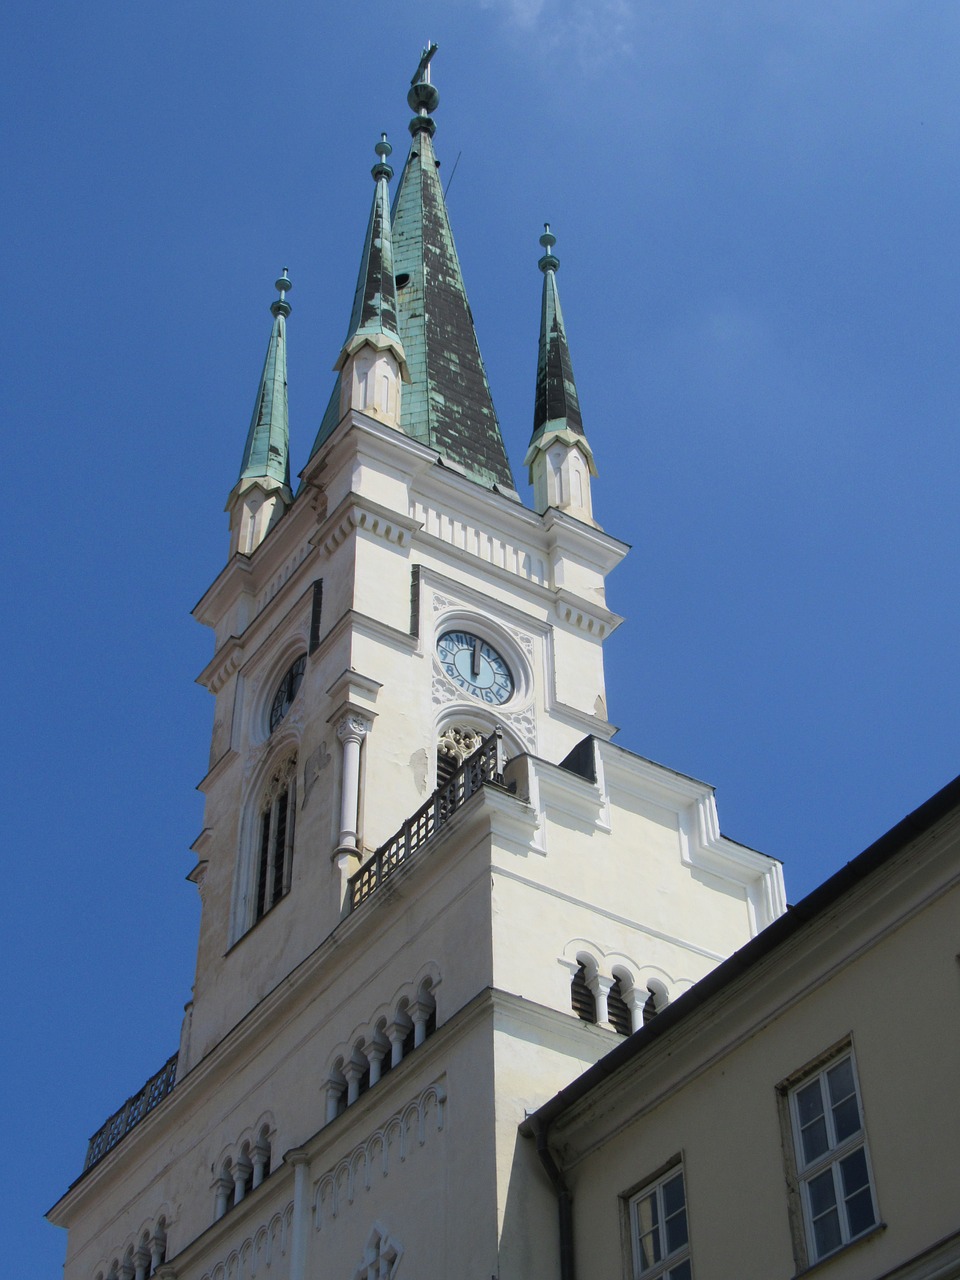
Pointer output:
x,y
141,1259
618,999
242,1168
381,1045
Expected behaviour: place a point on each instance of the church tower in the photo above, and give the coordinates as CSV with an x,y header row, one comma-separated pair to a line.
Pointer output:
x,y
433,888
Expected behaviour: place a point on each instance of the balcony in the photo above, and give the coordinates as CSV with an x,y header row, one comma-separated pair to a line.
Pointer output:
x,y
131,1113
484,766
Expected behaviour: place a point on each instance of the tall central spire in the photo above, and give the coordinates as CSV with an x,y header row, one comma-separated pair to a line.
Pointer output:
x,y
411,302
448,405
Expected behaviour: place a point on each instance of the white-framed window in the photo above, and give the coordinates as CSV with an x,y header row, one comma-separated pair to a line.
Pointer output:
x,y
659,1233
830,1149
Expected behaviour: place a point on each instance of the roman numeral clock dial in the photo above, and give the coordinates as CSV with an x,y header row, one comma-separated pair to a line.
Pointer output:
x,y
475,666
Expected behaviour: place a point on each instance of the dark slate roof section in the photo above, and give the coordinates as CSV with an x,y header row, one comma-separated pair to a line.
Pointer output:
x,y
557,399
822,899
447,405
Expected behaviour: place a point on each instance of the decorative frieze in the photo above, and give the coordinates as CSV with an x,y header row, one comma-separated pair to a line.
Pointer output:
x,y
367,517
487,546
389,1146
263,1252
282,576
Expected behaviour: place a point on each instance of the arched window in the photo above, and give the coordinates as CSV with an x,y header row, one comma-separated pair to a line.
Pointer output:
x,y
582,998
225,1190
275,838
650,1006
158,1245
618,1013
261,1157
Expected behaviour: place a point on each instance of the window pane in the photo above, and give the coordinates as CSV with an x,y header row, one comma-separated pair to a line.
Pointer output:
x,y
856,1192
840,1081
262,868
676,1231
813,1125
843,1099
826,1233
648,1233
814,1140
673,1195
822,1193
860,1215
809,1102
649,1249
854,1170
680,1272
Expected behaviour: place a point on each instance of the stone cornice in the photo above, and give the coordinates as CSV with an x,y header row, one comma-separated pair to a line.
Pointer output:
x,y
585,615
225,662
358,513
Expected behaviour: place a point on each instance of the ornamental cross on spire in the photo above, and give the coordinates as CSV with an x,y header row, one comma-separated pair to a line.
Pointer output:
x,y
422,73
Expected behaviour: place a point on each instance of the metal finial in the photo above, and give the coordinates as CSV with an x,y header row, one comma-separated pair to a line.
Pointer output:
x,y
549,261
423,96
381,169
280,306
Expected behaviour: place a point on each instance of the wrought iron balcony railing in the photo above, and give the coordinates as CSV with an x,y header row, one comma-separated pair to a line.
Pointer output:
x,y
131,1113
485,765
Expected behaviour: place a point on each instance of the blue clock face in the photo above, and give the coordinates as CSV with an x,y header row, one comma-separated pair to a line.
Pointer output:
x,y
475,666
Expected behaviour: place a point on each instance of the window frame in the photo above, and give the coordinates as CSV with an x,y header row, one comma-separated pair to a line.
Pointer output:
x,y
802,1172
663,1267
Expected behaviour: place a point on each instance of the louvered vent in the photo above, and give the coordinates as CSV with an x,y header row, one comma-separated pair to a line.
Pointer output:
x,y
617,1010
581,997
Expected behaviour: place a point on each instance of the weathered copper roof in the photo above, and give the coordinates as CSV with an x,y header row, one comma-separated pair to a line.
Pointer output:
x,y
557,403
267,451
448,404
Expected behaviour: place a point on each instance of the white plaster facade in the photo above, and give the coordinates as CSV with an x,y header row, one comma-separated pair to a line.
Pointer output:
x,y
865,969
387,1055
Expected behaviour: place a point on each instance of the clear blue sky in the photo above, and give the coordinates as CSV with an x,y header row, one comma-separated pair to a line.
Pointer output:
x,y
756,211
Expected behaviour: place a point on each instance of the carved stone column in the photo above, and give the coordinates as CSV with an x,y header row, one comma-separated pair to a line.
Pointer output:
x,y
600,986
261,1154
351,731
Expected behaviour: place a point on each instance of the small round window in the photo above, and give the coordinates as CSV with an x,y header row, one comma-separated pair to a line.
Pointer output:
x,y
287,691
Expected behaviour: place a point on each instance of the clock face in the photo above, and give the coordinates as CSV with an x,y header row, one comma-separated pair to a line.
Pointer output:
x,y
287,691
475,666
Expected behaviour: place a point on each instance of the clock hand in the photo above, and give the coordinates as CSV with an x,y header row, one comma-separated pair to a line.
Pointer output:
x,y
476,657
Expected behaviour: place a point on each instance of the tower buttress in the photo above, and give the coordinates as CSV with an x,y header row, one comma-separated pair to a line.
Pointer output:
x,y
262,493
559,459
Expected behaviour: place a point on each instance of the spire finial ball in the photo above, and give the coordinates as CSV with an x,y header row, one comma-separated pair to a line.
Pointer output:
x,y
280,306
381,169
549,261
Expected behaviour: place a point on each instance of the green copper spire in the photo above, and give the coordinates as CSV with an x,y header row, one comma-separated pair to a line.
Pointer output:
x,y
446,401
373,319
374,315
556,411
448,404
267,453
